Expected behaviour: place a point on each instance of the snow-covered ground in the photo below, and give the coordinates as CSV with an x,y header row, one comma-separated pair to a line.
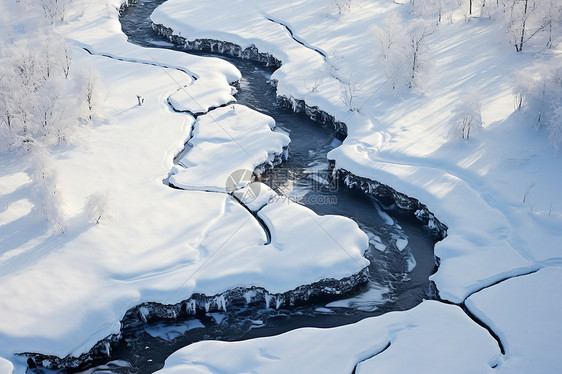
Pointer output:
x,y
238,136
431,338
62,292
498,193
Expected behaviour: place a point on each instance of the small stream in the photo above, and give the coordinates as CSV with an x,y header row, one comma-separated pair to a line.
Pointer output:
x,y
400,251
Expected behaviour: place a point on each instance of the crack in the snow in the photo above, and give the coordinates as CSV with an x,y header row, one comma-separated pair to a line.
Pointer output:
x,y
477,320
527,272
304,44
143,62
298,40
370,357
258,219
202,112
481,323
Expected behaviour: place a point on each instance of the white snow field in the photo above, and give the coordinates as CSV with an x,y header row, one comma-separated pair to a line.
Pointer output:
x,y
498,192
532,339
430,338
6,367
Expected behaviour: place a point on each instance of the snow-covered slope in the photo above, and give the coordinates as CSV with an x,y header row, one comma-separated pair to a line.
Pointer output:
x,y
423,339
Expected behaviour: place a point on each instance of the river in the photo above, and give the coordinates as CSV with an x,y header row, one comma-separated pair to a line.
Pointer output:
x,y
400,251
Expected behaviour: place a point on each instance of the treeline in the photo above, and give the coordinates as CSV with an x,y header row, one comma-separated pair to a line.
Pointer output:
x,y
404,52
41,99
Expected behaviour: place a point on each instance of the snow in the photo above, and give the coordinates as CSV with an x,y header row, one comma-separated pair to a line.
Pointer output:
x,y
376,241
369,300
256,195
326,246
401,243
6,367
218,317
498,192
433,334
239,136
475,187
201,96
62,292
297,230
521,311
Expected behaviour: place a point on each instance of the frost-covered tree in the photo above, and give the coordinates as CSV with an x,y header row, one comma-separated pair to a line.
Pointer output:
x,y
47,197
90,92
433,8
393,49
551,17
522,85
525,20
542,103
55,10
403,50
95,207
467,117
37,98
418,36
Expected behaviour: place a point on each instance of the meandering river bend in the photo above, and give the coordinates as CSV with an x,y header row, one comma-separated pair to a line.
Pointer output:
x,y
400,251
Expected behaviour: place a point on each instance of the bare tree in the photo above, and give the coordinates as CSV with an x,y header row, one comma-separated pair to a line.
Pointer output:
x,y
418,48
47,197
90,92
66,59
348,92
55,10
467,117
393,49
342,6
319,76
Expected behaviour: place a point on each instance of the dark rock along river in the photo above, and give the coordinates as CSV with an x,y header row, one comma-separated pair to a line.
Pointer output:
x,y
392,283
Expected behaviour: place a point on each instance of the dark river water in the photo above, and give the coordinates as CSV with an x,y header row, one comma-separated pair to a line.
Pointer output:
x,y
401,250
